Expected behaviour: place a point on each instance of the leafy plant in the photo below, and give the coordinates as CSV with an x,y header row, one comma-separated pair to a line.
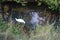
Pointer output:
x,y
52,4
3,26
15,30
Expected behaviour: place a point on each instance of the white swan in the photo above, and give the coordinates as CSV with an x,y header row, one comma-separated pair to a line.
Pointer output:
x,y
20,20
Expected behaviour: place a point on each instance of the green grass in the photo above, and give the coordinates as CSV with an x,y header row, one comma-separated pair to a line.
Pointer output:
x,y
11,32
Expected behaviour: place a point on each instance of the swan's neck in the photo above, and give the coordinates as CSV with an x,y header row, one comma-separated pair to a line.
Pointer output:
x,y
16,18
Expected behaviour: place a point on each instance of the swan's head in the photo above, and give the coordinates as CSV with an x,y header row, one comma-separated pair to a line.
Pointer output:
x,y
15,18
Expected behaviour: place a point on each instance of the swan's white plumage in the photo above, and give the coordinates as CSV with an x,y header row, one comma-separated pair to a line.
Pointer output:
x,y
20,20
